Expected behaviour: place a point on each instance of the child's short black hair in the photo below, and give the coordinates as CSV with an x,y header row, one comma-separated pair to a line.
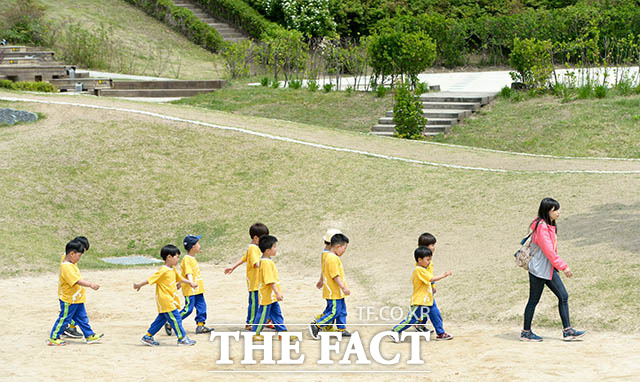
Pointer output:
x,y
258,229
339,239
421,252
84,241
426,239
74,246
266,242
169,250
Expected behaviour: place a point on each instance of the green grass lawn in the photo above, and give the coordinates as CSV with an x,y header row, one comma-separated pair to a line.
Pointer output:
x,y
607,127
357,111
146,46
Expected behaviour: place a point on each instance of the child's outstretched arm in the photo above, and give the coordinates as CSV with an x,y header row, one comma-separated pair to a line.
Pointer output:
x,y
187,281
88,284
438,278
279,296
320,282
227,271
139,285
345,290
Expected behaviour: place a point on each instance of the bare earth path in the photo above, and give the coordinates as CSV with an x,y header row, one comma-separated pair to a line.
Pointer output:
x,y
479,351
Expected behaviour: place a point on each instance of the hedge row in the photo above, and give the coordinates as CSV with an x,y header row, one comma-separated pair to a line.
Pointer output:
x,y
240,14
28,85
184,21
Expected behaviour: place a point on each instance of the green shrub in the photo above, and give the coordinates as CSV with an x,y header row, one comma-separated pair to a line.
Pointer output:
x,y
44,87
295,84
624,87
381,91
184,21
505,92
23,23
327,87
275,84
264,81
421,88
283,51
407,113
311,17
601,91
349,90
238,58
84,47
531,60
312,85
240,14
585,91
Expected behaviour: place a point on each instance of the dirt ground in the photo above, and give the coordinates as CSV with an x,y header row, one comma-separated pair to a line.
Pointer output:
x,y
479,350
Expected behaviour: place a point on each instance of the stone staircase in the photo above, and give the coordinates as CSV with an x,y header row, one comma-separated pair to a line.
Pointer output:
x,y
156,89
442,111
228,32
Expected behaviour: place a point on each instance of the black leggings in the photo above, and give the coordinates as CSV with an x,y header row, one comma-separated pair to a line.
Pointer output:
x,y
536,285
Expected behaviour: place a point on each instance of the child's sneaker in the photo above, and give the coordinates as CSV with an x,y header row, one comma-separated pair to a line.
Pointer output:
x,y
56,342
92,339
529,336
248,327
314,330
167,328
72,332
270,324
328,328
258,337
421,328
572,334
394,339
186,341
149,341
291,338
201,329
345,332
443,337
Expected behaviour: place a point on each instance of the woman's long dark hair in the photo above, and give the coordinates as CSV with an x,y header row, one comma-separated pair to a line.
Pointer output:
x,y
546,206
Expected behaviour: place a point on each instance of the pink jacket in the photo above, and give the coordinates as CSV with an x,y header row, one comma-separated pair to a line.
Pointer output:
x,y
545,238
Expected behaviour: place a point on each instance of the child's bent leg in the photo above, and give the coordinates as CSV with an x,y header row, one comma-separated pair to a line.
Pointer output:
x,y
201,308
329,314
82,320
341,314
157,324
436,318
175,321
411,319
67,311
188,307
253,307
275,315
260,319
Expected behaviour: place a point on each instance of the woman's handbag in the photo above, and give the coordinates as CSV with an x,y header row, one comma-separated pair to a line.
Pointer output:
x,y
524,255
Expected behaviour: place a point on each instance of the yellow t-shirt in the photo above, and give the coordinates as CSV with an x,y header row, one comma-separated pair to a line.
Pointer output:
x,y
189,266
332,267
422,292
166,292
68,289
268,275
252,257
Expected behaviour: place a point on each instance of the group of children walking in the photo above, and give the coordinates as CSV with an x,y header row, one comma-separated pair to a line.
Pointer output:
x,y
263,284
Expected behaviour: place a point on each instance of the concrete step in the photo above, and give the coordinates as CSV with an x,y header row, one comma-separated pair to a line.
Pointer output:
x,y
227,35
464,97
430,121
42,56
173,85
235,39
441,113
430,129
151,92
67,84
451,105
13,48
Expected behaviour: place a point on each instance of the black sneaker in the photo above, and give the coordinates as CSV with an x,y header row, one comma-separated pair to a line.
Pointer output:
x,y
167,328
572,334
345,333
314,330
201,329
529,336
72,333
421,328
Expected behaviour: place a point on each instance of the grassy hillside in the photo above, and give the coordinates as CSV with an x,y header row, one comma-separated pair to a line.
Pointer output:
x,y
132,184
147,46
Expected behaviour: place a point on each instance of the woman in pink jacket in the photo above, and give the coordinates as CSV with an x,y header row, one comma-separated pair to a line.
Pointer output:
x,y
543,270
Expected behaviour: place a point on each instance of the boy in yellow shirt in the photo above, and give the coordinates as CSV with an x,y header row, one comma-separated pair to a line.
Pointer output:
x,y
72,297
193,298
252,258
422,297
269,290
334,289
71,331
327,249
166,279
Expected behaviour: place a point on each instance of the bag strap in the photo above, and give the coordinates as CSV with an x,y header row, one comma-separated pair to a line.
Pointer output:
x,y
534,230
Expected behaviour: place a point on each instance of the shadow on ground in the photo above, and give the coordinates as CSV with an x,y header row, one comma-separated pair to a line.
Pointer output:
x,y
615,224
